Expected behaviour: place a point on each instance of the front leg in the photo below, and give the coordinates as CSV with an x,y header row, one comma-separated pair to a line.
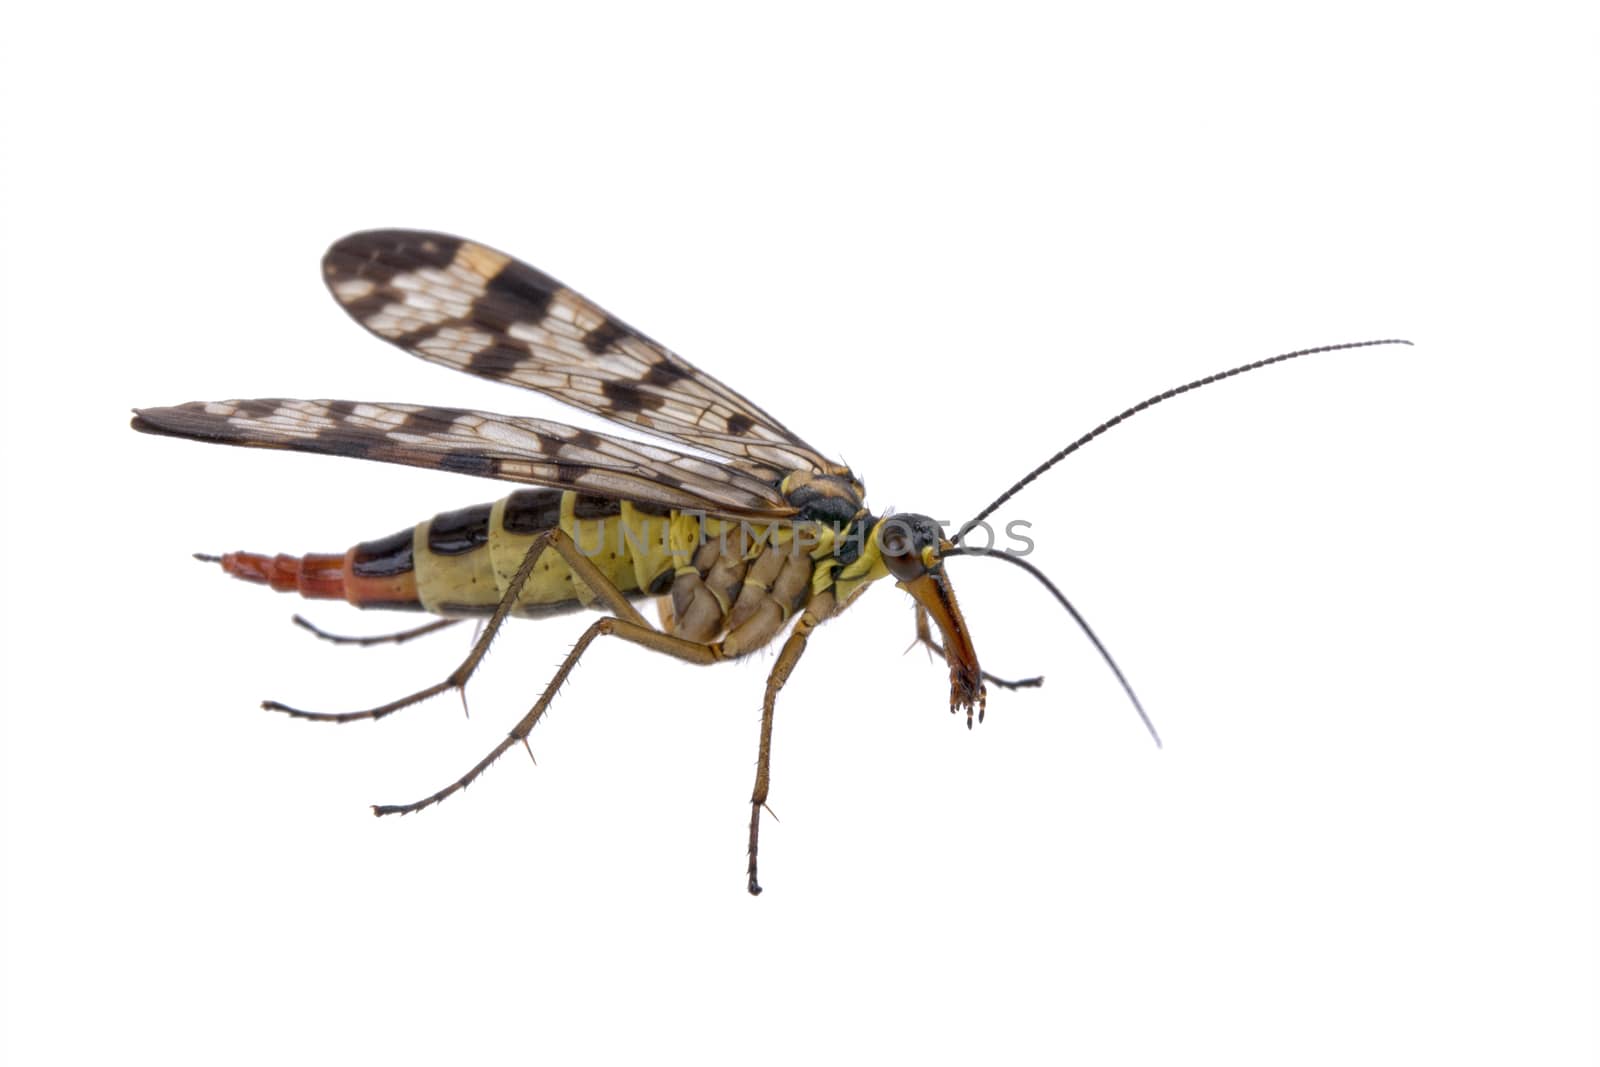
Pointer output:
x,y
925,637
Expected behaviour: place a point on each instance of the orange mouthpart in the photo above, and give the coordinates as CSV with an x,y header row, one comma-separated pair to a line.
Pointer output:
x,y
933,591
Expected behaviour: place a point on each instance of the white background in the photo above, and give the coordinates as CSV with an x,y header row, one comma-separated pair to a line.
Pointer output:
x,y
1356,592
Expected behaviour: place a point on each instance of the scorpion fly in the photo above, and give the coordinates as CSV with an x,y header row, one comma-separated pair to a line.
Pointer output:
x,y
753,536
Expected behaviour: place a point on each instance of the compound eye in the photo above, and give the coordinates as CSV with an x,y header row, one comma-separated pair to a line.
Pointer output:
x,y
900,552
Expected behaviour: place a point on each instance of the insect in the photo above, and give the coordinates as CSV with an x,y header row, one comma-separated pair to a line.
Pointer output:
x,y
769,538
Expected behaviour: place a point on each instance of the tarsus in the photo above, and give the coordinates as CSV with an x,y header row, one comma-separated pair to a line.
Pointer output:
x,y
1077,617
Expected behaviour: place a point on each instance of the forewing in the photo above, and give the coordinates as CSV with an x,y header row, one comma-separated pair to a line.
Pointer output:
x,y
467,306
475,442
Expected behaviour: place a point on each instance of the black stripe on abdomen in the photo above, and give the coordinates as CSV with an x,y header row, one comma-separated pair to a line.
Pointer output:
x,y
383,558
455,533
529,511
594,507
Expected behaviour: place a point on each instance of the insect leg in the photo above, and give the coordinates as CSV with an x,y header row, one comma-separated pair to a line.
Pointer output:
x,y
925,637
636,632
399,638
581,566
787,658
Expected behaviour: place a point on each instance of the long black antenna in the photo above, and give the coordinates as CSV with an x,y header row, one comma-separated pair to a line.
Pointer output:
x,y
1083,624
1150,403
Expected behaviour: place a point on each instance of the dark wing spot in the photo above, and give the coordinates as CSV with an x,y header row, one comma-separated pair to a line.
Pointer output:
x,y
413,340
381,254
364,307
499,361
627,398
739,424
353,445
599,339
664,373
256,409
569,473
519,293
417,422
468,463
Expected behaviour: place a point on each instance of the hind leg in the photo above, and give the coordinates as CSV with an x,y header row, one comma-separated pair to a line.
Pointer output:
x,y
581,566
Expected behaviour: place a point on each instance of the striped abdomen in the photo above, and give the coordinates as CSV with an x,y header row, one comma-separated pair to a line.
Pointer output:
x,y
459,562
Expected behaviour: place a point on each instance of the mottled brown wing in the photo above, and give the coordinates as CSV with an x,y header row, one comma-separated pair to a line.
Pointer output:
x,y
467,306
476,442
